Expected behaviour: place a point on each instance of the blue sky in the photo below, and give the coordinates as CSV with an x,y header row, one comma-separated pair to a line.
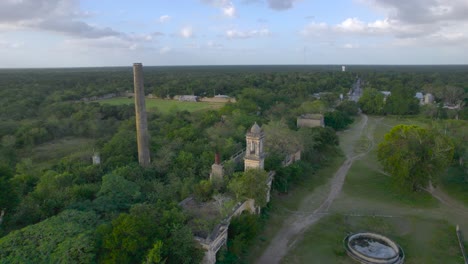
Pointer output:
x,y
80,33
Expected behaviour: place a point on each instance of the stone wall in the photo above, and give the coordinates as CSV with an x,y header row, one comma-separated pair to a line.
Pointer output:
x,y
218,99
460,242
310,120
219,235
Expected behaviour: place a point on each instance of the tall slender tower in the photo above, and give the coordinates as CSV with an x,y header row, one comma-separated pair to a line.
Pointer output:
x,y
254,155
140,114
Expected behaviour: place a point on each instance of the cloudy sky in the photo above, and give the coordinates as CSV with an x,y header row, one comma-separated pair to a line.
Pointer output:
x,y
72,33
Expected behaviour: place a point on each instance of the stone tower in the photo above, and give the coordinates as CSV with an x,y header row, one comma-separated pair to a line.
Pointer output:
x,y
140,114
254,155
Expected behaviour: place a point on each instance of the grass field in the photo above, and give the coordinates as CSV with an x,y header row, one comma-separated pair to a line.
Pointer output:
x,y
455,183
165,106
369,202
296,199
423,240
50,152
423,226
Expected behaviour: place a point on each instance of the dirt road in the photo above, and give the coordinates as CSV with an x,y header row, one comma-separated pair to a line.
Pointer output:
x,y
295,225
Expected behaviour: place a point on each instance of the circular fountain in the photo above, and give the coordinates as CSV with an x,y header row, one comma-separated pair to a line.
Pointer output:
x,y
371,248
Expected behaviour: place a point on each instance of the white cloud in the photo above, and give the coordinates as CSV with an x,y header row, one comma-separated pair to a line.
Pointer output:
x,y
164,50
110,42
237,34
229,10
352,25
213,45
315,29
164,18
351,46
227,7
186,32
10,45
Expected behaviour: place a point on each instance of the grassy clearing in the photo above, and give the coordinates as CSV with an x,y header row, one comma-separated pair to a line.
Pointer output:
x,y
165,106
455,184
53,151
424,240
283,204
365,182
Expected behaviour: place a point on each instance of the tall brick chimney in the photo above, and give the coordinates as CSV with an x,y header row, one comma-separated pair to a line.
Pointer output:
x,y
140,114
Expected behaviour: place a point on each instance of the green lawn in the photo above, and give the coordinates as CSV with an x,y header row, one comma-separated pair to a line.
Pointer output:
x,y
165,106
424,240
370,202
50,152
364,182
283,204
455,183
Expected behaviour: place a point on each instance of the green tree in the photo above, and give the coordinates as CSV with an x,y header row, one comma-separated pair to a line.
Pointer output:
x,y
65,238
414,156
251,184
116,193
155,254
280,140
203,190
136,237
350,108
313,107
337,120
8,195
401,102
371,101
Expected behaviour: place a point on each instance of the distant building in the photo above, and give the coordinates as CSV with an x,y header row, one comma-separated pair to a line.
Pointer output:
x,y
428,98
188,98
343,68
96,159
420,97
386,94
310,120
222,96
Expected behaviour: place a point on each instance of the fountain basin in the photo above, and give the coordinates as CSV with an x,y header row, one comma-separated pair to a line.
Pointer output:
x,y
371,248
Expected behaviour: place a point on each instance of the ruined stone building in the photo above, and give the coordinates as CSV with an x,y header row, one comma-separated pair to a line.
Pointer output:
x,y
311,120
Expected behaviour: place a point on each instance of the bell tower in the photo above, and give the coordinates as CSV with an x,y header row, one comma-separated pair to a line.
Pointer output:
x,y
254,155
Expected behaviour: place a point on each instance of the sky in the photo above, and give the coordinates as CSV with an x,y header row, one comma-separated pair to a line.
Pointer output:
x,y
89,33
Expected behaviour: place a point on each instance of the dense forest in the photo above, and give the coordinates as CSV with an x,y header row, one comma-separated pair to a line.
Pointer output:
x,y
59,207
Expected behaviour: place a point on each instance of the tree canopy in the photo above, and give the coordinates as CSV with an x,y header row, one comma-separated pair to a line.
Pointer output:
x,y
371,101
414,156
250,184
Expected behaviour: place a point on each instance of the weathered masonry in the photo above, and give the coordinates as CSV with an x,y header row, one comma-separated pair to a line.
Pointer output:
x,y
140,115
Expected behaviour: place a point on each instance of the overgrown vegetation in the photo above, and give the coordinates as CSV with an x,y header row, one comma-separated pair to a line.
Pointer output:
x,y
119,211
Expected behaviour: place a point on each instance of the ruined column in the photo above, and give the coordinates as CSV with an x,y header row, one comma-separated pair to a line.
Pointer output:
x,y
140,114
217,169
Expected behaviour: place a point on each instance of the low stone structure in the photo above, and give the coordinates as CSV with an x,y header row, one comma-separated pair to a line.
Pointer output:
x,y
428,98
371,248
253,156
186,98
217,169
460,243
96,158
219,235
218,99
310,120
291,158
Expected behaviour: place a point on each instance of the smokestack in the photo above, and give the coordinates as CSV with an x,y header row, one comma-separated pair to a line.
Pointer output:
x,y
140,114
217,158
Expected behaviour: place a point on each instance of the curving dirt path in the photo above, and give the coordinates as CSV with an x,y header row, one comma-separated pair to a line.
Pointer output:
x,y
295,225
